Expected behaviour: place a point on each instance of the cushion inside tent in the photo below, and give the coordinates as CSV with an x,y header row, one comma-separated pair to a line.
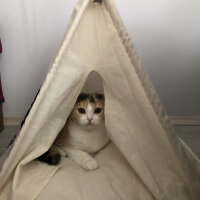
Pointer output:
x,y
142,162
114,179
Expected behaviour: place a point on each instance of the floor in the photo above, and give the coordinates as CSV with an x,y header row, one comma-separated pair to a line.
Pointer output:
x,y
6,136
190,134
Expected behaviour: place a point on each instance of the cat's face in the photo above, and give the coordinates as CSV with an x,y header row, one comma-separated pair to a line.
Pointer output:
x,y
88,110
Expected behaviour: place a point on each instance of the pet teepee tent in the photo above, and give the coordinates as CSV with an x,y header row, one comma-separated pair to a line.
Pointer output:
x,y
145,159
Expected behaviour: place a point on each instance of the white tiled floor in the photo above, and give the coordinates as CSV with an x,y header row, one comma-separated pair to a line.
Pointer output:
x,y
6,136
191,136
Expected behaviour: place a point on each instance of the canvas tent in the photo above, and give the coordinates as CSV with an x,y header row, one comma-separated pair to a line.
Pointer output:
x,y
145,160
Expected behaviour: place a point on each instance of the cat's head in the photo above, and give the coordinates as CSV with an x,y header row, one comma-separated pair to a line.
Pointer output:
x,y
88,110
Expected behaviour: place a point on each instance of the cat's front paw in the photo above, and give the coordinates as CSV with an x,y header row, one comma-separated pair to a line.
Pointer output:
x,y
90,164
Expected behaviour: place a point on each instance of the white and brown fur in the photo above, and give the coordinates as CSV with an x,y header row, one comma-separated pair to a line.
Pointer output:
x,y
83,134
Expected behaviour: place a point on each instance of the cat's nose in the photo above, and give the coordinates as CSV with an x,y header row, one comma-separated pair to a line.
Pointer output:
x,y
89,120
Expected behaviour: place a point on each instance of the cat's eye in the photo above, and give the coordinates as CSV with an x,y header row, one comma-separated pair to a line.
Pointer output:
x,y
97,110
81,110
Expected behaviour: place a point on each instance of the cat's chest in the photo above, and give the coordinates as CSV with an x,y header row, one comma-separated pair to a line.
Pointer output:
x,y
89,141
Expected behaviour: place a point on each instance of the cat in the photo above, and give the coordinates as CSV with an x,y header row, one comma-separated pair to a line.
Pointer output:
x,y
84,133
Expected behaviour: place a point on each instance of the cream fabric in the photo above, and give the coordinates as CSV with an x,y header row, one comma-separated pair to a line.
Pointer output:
x,y
151,162
113,180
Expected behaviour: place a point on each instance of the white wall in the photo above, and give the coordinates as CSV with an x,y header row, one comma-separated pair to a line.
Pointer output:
x,y
166,34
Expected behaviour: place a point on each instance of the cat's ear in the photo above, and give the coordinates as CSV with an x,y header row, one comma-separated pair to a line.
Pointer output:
x,y
82,97
100,96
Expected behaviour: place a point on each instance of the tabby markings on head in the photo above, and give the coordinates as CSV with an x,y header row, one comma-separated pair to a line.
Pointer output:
x,y
90,97
88,110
